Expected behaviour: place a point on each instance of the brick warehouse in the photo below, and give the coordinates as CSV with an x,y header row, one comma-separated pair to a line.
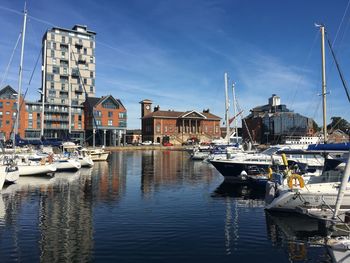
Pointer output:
x,y
177,127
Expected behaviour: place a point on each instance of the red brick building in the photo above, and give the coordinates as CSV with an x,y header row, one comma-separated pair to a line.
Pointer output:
x,y
177,127
8,109
105,120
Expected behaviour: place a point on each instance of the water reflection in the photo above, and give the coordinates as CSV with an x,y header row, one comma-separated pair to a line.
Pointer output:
x,y
248,192
109,179
169,168
302,237
62,216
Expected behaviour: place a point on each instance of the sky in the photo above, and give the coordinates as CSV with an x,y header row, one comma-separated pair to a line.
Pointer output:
x,y
175,52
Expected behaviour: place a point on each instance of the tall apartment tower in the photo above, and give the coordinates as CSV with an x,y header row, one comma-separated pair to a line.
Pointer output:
x,y
68,66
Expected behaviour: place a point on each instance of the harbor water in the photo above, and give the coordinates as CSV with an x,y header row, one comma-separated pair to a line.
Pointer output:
x,y
148,206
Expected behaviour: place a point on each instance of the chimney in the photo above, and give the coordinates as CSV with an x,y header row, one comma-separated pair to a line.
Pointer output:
x,y
206,110
156,108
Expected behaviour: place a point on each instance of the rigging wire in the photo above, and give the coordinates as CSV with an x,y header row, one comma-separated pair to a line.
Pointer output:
x,y
36,63
87,95
338,67
341,22
10,62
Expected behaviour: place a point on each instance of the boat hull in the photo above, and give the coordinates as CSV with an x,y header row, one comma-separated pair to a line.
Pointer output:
x,y
312,195
99,156
28,170
234,169
68,165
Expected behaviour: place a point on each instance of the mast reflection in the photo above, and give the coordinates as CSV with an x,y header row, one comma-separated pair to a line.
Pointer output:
x,y
302,237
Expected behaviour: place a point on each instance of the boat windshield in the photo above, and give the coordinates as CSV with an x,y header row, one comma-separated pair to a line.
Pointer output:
x,y
271,150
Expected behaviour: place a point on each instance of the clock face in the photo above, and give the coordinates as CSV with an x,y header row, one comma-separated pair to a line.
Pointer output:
x,y
147,107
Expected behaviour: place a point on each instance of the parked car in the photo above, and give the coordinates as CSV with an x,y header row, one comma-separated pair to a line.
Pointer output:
x,y
156,143
167,144
147,143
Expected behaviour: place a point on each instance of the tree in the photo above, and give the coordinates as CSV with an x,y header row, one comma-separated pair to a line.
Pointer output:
x,y
315,126
339,123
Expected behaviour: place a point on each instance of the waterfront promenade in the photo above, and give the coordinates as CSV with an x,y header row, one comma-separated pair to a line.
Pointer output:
x,y
146,147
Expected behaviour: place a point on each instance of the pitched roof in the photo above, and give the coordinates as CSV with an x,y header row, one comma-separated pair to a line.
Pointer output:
x,y
94,101
179,115
7,92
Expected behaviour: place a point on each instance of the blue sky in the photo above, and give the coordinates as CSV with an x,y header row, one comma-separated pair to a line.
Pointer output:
x,y
175,52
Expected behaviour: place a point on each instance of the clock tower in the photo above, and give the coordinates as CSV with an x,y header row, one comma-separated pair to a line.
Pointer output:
x,y
145,107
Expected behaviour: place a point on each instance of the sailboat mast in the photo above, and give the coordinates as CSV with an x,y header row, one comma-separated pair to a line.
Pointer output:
x,y
227,108
323,83
20,77
43,91
235,110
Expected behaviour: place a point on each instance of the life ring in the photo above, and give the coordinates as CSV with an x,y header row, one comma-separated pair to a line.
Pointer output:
x,y
296,177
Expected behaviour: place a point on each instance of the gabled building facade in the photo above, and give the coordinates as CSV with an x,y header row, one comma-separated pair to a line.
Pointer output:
x,y
105,121
177,127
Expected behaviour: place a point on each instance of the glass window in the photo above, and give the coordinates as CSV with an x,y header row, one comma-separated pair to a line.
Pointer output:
x,y
7,113
1,105
110,122
110,114
56,70
30,116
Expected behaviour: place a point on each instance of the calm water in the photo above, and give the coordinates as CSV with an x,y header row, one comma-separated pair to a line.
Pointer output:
x,y
150,206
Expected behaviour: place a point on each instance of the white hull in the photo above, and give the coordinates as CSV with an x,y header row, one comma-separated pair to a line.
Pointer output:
x,y
27,170
312,195
11,174
68,164
2,175
86,162
99,156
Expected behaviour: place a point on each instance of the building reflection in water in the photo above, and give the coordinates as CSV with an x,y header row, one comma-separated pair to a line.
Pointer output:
x,y
64,216
109,181
164,168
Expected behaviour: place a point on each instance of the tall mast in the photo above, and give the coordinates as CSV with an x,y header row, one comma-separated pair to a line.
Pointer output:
x,y
235,110
20,77
226,110
70,94
323,83
43,91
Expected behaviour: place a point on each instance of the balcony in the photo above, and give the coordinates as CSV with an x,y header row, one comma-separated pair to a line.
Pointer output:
x,y
79,89
81,60
78,45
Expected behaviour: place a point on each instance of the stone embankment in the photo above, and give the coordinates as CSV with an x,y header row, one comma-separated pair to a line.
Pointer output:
x,y
146,147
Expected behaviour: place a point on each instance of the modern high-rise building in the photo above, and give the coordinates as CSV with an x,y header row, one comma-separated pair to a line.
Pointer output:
x,y
68,64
